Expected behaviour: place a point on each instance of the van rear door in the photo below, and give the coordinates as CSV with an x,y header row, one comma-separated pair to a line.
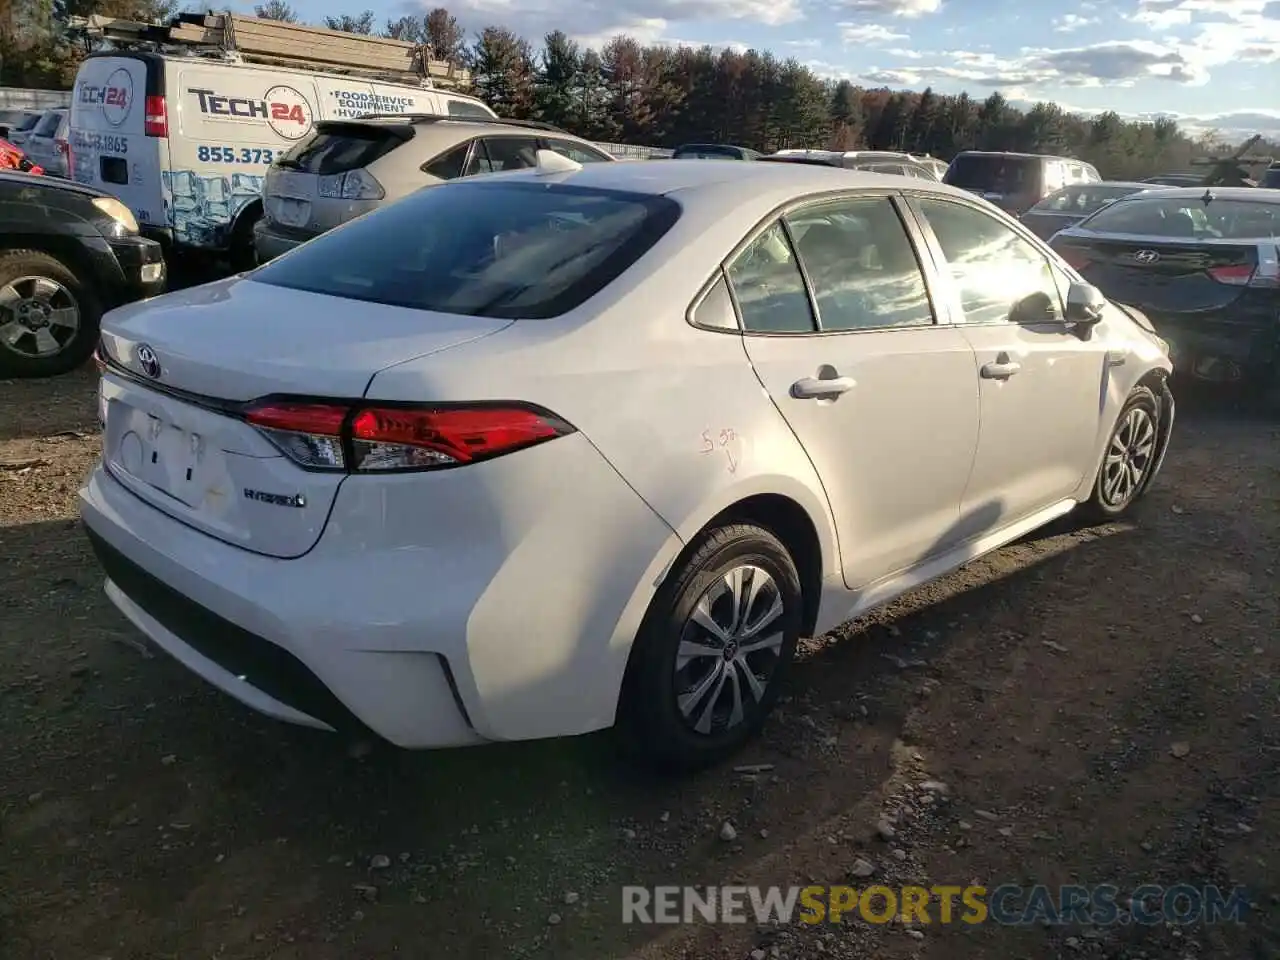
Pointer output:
x,y
110,148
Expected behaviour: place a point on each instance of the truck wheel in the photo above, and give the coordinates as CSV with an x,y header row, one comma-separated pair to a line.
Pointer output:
x,y
49,316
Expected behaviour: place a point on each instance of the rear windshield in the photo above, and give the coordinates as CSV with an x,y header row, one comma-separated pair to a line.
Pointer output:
x,y
483,249
994,173
344,147
1188,218
27,122
48,125
1082,199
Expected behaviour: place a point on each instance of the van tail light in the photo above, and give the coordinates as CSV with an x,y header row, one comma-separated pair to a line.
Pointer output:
x,y
155,118
375,438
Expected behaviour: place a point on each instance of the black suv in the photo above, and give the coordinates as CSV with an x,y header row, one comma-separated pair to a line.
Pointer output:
x,y
68,253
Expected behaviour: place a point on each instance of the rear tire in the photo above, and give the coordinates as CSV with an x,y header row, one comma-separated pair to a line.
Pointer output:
x,y
243,253
48,316
713,650
1129,459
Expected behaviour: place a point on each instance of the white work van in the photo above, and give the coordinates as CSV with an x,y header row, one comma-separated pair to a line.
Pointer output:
x,y
185,141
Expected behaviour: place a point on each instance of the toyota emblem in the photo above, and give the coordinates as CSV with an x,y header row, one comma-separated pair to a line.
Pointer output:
x,y
1146,256
149,362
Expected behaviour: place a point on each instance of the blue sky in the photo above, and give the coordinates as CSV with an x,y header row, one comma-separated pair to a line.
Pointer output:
x,y
1211,63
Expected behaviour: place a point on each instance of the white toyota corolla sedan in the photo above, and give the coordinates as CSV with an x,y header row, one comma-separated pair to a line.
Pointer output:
x,y
581,446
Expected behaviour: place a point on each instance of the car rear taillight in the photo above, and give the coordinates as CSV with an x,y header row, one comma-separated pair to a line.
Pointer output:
x,y
352,185
155,121
360,438
1237,276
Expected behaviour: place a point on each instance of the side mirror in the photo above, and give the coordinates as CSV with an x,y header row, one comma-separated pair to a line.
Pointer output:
x,y
1085,304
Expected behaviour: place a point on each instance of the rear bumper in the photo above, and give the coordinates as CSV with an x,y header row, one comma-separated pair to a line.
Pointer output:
x,y
455,626
271,240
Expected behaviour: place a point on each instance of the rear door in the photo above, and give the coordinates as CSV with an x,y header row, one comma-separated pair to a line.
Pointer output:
x,y
883,399
1040,383
232,122
110,148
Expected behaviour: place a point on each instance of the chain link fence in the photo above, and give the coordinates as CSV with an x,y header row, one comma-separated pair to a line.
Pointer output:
x,y
628,151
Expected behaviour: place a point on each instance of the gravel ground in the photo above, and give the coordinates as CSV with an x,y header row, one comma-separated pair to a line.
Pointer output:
x,y
1089,705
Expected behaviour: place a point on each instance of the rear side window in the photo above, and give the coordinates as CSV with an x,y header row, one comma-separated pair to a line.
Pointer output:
x,y
27,122
496,154
47,125
1189,218
484,249
861,266
448,166
344,147
465,108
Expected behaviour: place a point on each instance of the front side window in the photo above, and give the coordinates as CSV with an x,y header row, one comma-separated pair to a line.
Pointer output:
x,y
577,152
769,287
998,275
484,248
861,265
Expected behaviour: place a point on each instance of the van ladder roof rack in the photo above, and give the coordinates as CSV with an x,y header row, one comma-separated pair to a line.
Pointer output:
x,y
529,124
238,38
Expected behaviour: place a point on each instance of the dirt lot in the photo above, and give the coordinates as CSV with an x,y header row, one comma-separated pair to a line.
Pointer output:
x,y
145,815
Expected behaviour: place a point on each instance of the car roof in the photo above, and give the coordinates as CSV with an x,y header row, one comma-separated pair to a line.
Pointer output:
x,y
776,181
1136,184
1020,156
1219,193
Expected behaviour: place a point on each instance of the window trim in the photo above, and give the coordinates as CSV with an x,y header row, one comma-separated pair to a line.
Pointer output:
x,y
936,291
941,264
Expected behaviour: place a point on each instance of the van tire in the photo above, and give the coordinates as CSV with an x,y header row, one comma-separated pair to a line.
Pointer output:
x,y
243,253
18,265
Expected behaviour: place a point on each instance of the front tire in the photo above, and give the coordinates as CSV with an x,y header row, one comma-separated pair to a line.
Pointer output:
x,y
713,650
1130,457
48,316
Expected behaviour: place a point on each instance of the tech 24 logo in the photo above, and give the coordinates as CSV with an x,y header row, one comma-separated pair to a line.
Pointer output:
x,y
283,109
115,96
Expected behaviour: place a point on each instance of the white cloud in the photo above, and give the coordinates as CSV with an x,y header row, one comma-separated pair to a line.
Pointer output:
x,y
1072,21
870,34
892,8
594,22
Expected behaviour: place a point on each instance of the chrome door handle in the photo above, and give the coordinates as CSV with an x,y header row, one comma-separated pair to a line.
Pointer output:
x,y
816,388
1000,370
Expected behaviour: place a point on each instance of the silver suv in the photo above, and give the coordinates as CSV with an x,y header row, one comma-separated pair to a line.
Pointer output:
x,y
348,167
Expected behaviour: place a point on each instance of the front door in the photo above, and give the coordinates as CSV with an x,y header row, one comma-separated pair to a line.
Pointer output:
x,y
839,325
1041,384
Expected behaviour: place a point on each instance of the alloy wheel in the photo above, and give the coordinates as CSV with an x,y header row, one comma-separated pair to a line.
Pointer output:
x,y
730,649
1129,457
38,316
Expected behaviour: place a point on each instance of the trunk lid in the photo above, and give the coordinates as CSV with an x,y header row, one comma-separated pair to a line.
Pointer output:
x,y
181,446
239,339
1162,276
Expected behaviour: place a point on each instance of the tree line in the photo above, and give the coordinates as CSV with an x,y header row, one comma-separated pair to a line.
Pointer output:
x,y
663,95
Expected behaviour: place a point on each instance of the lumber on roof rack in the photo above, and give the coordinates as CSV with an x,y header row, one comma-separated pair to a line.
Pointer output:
x,y
255,40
